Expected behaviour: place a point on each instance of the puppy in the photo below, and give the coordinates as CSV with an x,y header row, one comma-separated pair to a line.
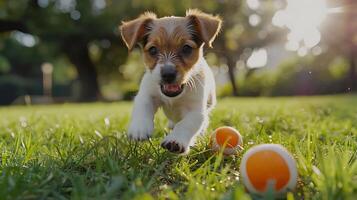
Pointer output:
x,y
177,78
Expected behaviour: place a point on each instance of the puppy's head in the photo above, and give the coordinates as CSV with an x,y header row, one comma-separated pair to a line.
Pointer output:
x,y
171,45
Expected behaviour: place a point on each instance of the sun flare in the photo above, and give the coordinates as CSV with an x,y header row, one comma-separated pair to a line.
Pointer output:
x,y
302,18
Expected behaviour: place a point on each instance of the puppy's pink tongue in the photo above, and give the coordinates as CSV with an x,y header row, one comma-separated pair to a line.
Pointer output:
x,y
172,87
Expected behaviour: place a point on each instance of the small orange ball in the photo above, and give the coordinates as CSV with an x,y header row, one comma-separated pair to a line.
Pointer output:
x,y
228,138
268,167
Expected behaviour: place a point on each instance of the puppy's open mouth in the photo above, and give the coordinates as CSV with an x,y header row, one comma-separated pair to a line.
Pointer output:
x,y
171,90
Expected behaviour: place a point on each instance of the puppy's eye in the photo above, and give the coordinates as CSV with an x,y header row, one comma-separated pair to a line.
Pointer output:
x,y
153,51
186,50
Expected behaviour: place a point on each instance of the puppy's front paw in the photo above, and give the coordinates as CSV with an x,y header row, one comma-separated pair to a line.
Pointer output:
x,y
140,130
175,144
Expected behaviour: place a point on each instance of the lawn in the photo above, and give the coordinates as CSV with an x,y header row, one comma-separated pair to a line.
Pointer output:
x,y
80,151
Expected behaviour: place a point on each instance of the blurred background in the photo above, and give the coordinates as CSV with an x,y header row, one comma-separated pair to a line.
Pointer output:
x,y
54,51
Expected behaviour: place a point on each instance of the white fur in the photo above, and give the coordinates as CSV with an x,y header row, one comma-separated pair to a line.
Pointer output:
x,y
187,112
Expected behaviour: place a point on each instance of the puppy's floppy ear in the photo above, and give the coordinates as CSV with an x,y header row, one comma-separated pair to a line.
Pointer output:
x,y
133,31
207,26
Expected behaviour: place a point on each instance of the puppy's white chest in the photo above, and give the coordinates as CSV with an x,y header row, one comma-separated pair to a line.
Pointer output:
x,y
173,114
176,109
173,109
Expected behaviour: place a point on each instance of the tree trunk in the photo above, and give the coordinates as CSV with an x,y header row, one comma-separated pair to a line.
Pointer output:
x,y
351,32
78,53
231,73
353,74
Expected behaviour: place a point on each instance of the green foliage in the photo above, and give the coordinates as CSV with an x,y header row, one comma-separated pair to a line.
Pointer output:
x,y
304,76
4,65
338,68
258,82
31,58
81,151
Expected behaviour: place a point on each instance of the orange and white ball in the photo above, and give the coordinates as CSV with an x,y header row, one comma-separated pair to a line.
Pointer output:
x,y
268,167
228,138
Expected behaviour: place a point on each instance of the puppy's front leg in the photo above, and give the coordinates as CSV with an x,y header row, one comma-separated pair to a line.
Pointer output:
x,y
184,133
142,121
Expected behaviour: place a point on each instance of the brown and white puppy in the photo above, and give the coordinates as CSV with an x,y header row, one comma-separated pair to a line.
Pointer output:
x,y
177,78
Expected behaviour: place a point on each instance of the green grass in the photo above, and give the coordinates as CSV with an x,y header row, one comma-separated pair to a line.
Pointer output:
x,y
80,151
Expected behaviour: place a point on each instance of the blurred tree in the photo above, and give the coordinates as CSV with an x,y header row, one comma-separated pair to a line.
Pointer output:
x,y
351,41
84,33
73,26
69,27
30,58
339,34
244,29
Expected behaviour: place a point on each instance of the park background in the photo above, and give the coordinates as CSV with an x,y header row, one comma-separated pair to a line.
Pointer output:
x,y
69,53
54,51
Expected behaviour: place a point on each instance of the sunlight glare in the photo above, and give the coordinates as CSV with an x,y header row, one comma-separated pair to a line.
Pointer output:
x,y
253,4
302,18
291,45
258,58
254,19
302,51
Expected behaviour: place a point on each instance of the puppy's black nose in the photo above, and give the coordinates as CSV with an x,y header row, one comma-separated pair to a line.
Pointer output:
x,y
168,73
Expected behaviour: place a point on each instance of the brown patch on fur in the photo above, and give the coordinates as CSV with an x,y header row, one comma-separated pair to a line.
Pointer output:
x,y
208,26
134,30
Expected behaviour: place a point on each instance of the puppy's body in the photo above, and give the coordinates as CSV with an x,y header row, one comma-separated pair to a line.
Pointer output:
x,y
178,79
187,113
